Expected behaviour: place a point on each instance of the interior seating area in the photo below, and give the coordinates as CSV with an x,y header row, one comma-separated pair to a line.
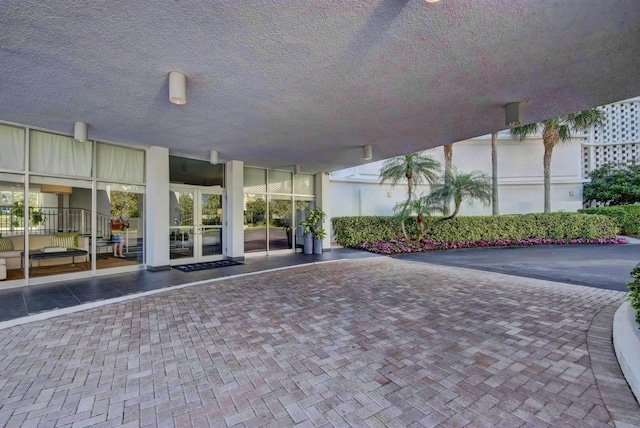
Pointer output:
x,y
12,249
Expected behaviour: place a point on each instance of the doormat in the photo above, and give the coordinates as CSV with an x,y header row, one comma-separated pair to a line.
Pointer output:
x,y
206,265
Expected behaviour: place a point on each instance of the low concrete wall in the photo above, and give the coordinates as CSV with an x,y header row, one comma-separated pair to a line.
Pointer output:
x,y
626,342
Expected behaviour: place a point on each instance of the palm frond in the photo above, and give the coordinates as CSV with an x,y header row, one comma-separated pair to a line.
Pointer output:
x,y
419,166
461,186
524,131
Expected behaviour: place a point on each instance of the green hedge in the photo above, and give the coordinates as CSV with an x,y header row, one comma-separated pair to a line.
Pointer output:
x,y
634,291
351,231
626,216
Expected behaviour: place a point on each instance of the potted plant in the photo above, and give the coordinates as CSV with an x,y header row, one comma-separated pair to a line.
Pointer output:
x,y
35,216
318,235
307,236
313,221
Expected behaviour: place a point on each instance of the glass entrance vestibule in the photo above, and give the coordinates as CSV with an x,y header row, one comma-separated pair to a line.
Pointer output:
x,y
196,233
275,202
58,200
72,209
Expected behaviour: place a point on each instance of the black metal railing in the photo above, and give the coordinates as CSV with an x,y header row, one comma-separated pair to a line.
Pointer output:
x,y
46,220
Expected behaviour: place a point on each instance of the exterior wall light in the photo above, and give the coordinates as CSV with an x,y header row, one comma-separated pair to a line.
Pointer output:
x,y
80,132
367,152
512,114
177,88
213,157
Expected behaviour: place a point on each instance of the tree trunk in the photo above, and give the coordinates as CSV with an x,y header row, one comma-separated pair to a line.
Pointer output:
x,y
406,235
495,206
448,166
549,139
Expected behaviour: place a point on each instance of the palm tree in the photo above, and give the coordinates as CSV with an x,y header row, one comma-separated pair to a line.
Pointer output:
x,y
495,205
460,186
420,207
448,167
558,130
417,168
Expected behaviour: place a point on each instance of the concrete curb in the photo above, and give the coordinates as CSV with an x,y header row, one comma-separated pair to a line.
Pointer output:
x,y
626,342
630,239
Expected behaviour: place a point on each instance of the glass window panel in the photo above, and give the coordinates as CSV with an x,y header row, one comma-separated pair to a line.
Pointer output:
x,y
196,172
280,231
11,221
211,229
12,142
255,225
181,206
58,218
119,164
57,154
304,184
120,227
280,182
255,180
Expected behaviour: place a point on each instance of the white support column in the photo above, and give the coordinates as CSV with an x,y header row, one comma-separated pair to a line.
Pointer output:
x,y
322,201
234,214
157,211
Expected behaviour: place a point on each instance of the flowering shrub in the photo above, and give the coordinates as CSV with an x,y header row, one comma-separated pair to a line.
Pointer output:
x,y
401,246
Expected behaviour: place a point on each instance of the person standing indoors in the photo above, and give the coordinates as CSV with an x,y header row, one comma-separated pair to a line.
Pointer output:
x,y
118,226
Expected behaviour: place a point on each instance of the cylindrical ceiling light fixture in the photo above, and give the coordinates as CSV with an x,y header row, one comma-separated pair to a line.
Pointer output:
x,y
80,132
213,157
177,88
367,152
512,114
297,169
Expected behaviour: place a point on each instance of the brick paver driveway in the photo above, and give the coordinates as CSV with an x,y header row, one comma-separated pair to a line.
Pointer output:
x,y
372,342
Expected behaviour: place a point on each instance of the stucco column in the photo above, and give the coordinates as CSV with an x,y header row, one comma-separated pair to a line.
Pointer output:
x,y
234,215
323,201
157,212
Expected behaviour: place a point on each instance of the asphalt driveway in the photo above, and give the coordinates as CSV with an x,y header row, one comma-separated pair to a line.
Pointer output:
x,y
600,266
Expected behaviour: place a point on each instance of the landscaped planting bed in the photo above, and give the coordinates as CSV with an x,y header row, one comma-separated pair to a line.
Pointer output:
x,y
400,246
384,234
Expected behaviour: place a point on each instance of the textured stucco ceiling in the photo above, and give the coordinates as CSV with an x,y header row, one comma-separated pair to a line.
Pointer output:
x,y
278,83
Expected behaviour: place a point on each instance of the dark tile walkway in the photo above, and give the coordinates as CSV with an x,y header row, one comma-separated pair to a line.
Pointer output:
x,y
23,301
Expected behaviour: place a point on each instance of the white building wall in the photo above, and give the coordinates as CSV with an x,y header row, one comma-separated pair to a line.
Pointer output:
x,y
357,190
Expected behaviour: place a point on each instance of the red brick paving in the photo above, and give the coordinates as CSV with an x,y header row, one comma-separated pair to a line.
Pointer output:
x,y
371,342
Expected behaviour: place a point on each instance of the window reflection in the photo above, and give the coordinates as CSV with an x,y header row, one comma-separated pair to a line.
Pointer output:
x,y
181,229
255,223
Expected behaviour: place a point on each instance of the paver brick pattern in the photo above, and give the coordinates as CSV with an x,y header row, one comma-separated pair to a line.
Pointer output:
x,y
374,342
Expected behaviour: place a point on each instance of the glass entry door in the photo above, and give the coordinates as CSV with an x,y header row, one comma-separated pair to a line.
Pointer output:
x,y
196,230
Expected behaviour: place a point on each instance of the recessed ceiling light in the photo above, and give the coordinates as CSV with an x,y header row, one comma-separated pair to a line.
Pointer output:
x,y
432,1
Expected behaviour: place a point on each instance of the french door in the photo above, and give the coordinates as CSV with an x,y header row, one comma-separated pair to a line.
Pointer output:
x,y
196,233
